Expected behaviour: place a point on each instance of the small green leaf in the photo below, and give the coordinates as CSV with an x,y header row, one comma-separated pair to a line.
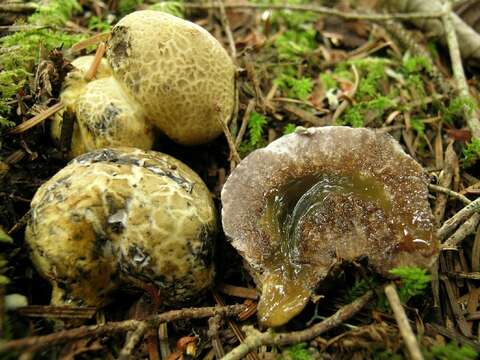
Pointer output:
x,y
15,301
4,280
4,237
413,281
289,128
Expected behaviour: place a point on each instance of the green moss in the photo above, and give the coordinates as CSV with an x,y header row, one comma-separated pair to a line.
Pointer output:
x,y
21,49
175,8
97,24
256,126
296,88
289,128
355,114
293,44
290,19
471,153
416,64
353,117
297,352
416,86
328,81
418,126
457,108
450,351
127,6
386,355
413,281
371,73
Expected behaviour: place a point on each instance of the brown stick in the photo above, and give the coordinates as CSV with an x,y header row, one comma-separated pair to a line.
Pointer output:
x,y
37,119
457,66
227,29
255,338
449,192
458,218
26,8
467,228
92,71
403,323
132,341
324,11
118,326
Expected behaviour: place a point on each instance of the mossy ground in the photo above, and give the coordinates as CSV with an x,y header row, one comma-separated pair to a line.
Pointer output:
x,y
300,70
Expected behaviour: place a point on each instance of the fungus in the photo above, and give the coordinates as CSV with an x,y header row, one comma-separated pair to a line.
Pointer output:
x,y
105,115
124,211
319,197
179,74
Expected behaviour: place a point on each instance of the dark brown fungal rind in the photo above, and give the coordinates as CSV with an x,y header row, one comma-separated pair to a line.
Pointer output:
x,y
396,230
123,211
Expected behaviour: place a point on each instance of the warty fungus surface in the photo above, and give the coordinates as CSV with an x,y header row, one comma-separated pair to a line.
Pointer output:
x,y
177,71
124,211
319,197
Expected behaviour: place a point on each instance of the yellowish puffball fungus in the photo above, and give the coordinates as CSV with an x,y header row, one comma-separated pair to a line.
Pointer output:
x,y
177,71
123,211
104,114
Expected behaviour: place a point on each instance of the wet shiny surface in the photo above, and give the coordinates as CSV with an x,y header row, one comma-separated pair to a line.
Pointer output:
x,y
323,208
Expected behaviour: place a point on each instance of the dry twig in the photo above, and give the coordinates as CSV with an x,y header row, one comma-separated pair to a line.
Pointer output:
x,y
132,341
449,192
403,323
458,218
255,338
470,116
116,327
467,228
325,11
37,119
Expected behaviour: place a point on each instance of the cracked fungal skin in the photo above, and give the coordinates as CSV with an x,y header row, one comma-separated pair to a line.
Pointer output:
x,y
177,71
321,196
104,114
115,214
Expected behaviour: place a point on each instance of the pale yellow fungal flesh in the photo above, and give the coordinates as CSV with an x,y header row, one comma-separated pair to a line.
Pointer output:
x,y
177,71
118,213
104,115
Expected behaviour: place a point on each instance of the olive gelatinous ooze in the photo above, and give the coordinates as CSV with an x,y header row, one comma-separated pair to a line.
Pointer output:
x,y
123,211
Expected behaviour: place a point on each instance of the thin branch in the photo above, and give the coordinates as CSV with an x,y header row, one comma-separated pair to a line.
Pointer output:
x,y
20,8
227,29
458,218
449,192
231,143
467,228
469,114
118,326
37,119
243,127
403,323
325,11
132,341
255,338
92,71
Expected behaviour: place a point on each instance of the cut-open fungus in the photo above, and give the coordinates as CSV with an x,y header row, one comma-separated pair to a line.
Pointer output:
x,y
318,197
180,74
117,214
104,114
